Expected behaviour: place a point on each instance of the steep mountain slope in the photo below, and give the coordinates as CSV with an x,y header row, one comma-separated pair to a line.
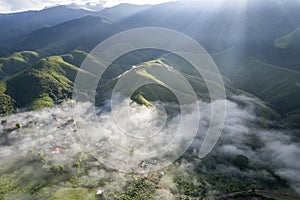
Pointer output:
x,y
50,80
17,62
18,24
235,37
83,33
288,47
224,24
6,102
122,11
37,79
50,77
158,92
277,86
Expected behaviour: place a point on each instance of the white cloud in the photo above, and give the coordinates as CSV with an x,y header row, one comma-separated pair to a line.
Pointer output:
x,y
115,146
8,6
110,3
4,6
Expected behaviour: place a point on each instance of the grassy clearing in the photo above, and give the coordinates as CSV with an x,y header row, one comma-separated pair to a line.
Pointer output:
x,y
74,194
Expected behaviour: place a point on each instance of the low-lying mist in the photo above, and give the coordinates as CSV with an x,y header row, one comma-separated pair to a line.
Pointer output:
x,y
145,140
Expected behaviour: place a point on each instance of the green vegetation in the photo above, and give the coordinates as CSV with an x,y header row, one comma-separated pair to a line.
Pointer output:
x,y
241,162
277,196
75,58
140,99
275,85
42,102
226,183
252,195
42,84
284,41
138,189
186,186
162,76
17,62
50,78
6,102
55,75
74,194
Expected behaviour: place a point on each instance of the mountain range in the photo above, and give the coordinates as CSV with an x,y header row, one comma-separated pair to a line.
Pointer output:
x,y
257,51
255,45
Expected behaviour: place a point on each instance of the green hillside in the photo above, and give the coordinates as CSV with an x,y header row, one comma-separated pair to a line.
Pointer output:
x,y
50,80
157,91
275,85
288,48
6,102
286,41
17,62
46,82
29,77
18,24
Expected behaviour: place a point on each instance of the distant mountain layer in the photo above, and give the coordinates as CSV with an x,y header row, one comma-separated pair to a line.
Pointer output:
x,y
18,24
83,33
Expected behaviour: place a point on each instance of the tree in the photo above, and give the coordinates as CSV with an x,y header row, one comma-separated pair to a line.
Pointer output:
x,y
241,162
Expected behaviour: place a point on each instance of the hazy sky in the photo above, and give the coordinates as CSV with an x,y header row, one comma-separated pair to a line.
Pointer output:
x,y
7,6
